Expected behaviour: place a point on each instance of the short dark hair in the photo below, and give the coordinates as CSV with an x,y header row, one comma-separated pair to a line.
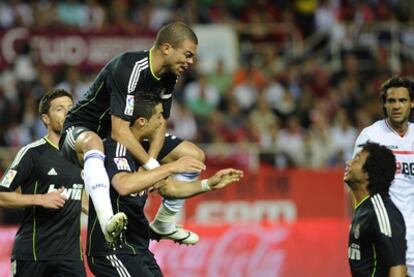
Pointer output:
x,y
44,104
175,33
396,82
380,167
144,105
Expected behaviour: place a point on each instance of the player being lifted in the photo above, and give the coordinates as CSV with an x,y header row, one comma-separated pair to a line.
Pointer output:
x,y
107,108
128,192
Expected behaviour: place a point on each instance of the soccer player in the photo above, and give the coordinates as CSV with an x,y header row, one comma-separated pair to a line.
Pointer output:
x,y
48,240
128,192
397,133
377,242
107,108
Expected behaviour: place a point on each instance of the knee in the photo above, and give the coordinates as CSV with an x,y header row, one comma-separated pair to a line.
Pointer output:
x,y
89,141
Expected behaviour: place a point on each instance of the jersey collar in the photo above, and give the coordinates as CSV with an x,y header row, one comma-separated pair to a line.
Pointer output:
x,y
150,59
51,143
360,202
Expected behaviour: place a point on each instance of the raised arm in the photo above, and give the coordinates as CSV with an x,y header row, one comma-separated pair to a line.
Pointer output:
x,y
126,182
176,189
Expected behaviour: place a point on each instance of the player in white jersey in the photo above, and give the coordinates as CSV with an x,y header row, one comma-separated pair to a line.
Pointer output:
x,y
397,133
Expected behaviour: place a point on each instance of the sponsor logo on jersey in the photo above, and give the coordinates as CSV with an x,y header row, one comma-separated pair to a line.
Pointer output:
x,y
354,252
8,178
52,172
122,164
392,147
129,105
73,193
405,168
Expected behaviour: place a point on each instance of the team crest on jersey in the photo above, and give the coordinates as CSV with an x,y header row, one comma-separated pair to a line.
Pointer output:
x,y
122,164
8,178
357,231
129,105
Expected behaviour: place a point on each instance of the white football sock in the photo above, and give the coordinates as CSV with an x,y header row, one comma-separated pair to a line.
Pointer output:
x,y
97,186
165,220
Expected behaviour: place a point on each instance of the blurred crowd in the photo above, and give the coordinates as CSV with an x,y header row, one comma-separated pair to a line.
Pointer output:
x,y
295,111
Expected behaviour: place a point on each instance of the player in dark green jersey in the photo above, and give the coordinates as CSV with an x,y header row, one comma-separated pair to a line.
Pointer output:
x,y
48,240
107,108
377,243
129,193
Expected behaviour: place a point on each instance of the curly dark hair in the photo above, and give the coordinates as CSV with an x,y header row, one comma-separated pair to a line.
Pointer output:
x,y
380,167
396,82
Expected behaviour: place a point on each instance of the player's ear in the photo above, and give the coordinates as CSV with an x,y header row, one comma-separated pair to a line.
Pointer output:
x,y
166,48
45,119
141,121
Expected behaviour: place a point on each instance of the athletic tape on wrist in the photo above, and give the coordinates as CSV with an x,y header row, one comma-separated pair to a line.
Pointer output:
x,y
204,185
151,164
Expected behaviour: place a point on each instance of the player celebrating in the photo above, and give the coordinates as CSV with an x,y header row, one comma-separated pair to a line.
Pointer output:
x,y
107,108
129,193
48,241
377,236
397,133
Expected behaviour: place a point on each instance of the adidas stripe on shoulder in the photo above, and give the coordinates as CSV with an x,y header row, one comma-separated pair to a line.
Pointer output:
x,y
24,150
382,215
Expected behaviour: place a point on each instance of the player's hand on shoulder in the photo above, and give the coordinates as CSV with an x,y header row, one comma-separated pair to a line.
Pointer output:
x,y
52,200
224,177
188,164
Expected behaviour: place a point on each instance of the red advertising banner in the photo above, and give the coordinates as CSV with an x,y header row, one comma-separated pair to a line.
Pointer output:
x,y
305,248
83,49
268,195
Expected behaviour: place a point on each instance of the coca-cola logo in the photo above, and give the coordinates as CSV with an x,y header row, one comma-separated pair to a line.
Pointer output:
x,y
247,250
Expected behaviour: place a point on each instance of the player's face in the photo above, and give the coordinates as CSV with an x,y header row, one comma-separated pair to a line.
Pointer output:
x,y
180,58
354,174
156,120
59,107
398,105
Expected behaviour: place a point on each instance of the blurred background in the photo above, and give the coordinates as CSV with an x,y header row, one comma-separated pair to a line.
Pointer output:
x,y
280,89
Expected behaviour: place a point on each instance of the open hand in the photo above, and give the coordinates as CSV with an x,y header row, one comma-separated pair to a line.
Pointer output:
x,y
224,177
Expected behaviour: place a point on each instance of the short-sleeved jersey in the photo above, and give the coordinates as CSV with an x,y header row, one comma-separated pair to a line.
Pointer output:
x,y
402,188
376,238
46,234
137,235
114,89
